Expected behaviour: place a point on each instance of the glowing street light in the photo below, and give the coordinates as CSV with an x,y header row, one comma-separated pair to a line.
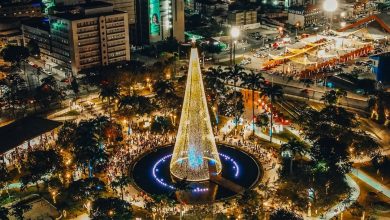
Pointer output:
x,y
297,25
234,33
330,6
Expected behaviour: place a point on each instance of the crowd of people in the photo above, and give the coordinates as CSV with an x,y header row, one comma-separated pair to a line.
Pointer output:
x,y
135,144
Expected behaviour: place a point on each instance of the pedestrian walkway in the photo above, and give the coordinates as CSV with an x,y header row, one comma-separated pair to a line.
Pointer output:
x,y
371,182
343,205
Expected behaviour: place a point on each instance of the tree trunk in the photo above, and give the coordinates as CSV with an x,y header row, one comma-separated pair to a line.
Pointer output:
x,y
253,112
122,191
271,123
235,108
109,107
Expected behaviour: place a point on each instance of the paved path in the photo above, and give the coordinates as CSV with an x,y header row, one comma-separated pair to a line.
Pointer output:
x,y
371,182
343,205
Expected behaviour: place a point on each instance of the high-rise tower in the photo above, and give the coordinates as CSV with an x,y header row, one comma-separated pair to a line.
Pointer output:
x,y
195,154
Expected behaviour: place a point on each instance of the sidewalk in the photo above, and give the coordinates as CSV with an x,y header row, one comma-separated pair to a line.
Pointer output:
x,y
371,182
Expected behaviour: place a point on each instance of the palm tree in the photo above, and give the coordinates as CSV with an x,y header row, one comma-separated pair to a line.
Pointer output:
x,y
109,91
273,92
235,73
129,105
214,80
284,214
291,149
121,182
253,81
5,177
332,97
262,120
163,87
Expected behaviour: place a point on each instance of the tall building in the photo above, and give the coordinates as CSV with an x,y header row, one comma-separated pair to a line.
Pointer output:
x,y
166,19
79,36
127,6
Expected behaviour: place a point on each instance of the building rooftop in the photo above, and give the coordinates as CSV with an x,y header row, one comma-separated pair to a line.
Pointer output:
x,y
79,16
84,10
39,23
34,3
19,131
87,5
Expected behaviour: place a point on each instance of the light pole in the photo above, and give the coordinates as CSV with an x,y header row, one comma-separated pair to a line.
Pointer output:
x,y
296,29
234,33
330,6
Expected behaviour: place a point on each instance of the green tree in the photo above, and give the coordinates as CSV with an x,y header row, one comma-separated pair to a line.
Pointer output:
x,y
66,135
253,81
109,91
250,204
332,97
235,73
215,86
111,208
4,213
14,54
337,123
273,92
48,92
166,98
159,205
75,86
131,105
5,178
88,148
121,182
232,106
291,149
161,124
284,214
86,189
33,48
212,48
19,209
163,87
39,165
262,120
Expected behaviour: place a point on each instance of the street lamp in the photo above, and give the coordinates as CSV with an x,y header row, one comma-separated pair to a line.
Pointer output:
x,y
330,6
234,33
296,29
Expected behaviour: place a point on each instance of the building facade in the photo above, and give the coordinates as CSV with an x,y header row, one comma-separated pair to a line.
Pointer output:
x,y
81,37
20,9
304,16
127,6
166,19
239,18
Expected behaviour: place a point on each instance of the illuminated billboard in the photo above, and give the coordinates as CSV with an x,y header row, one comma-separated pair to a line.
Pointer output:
x,y
154,17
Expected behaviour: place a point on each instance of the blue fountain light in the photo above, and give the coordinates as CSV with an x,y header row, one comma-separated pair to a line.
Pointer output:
x,y
162,182
195,158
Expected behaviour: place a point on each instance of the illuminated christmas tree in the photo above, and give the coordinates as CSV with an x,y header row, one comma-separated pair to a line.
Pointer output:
x,y
195,155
